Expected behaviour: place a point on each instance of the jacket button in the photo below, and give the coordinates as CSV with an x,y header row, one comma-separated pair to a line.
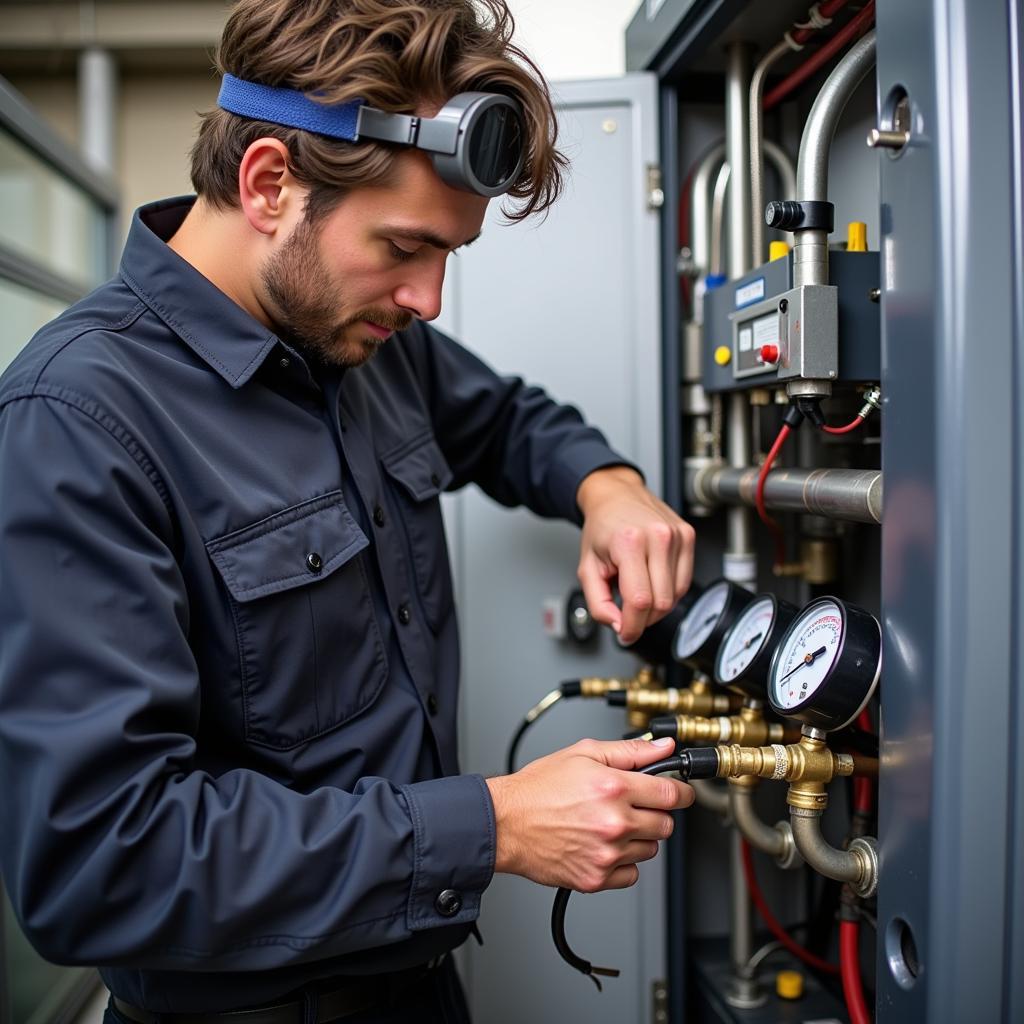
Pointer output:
x,y
404,615
284,362
435,479
448,903
378,516
432,703
314,563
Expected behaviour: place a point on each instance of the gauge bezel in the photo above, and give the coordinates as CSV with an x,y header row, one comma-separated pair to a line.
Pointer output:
x,y
703,658
656,643
842,686
752,681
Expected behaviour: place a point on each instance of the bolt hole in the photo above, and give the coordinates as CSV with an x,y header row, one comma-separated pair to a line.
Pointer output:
x,y
901,953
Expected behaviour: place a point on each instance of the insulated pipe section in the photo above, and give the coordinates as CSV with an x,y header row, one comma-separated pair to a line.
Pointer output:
x,y
810,247
857,865
847,495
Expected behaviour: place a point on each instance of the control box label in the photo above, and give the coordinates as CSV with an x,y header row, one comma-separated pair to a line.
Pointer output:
x,y
753,291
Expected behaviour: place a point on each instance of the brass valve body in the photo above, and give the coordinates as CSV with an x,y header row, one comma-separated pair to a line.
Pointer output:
x,y
744,730
690,700
595,686
808,765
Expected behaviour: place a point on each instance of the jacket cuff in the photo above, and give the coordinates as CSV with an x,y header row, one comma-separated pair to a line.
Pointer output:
x,y
575,462
453,849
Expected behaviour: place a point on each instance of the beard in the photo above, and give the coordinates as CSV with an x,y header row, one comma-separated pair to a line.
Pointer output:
x,y
306,303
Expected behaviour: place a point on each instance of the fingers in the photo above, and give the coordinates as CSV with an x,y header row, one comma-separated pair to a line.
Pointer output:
x,y
627,755
635,585
622,878
594,579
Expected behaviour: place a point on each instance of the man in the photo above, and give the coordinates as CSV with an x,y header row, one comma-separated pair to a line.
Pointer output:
x,y
228,653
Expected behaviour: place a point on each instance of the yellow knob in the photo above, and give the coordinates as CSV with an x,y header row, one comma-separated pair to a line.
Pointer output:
x,y
777,251
856,236
789,985
723,355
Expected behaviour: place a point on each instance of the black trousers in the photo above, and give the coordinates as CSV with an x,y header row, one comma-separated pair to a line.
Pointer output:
x,y
438,999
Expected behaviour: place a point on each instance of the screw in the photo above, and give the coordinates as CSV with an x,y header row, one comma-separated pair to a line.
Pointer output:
x,y
875,294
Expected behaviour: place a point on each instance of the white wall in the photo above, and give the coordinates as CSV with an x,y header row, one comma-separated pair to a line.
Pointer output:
x,y
574,38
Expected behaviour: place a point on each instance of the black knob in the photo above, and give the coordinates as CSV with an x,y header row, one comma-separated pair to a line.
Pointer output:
x,y
783,215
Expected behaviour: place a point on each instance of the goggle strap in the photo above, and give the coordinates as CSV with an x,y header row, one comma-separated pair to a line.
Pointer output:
x,y
289,107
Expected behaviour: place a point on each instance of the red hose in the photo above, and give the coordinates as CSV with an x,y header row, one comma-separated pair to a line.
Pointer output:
x,y
849,958
844,430
780,541
757,898
826,10
852,30
863,788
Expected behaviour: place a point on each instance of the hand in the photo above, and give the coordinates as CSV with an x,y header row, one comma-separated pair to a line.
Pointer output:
x,y
634,537
581,818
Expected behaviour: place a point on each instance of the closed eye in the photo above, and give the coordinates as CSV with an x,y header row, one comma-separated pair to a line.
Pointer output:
x,y
399,253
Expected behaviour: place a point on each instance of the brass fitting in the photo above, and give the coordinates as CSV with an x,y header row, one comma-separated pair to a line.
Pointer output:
x,y
808,764
596,686
748,728
819,562
697,699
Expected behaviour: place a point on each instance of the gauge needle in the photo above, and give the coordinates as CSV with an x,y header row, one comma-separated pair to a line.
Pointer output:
x,y
808,659
747,644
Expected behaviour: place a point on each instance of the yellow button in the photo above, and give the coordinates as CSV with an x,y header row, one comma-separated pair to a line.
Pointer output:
x,y
856,236
723,355
789,984
777,251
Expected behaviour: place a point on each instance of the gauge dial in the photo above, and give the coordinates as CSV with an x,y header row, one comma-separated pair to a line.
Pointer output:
x,y
654,645
700,633
827,665
745,655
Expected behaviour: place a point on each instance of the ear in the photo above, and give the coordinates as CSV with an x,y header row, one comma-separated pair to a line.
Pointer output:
x,y
266,189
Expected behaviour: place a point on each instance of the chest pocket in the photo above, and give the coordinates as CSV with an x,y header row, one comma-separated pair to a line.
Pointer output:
x,y
419,473
310,650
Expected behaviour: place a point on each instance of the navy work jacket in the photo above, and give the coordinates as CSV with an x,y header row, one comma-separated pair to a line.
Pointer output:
x,y
228,649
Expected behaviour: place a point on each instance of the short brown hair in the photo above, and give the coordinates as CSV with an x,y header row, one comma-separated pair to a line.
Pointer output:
x,y
392,54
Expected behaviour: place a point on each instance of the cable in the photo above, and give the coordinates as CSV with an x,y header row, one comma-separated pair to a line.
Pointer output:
x,y
570,688
863,791
773,526
849,957
854,28
757,897
852,425
690,764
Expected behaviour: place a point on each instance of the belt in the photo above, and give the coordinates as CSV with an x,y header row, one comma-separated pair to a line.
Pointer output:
x,y
353,996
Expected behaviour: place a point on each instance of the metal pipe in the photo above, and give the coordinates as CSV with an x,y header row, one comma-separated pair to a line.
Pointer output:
x,y
756,148
779,159
97,98
712,796
716,253
744,991
850,495
857,865
737,149
775,840
810,248
700,209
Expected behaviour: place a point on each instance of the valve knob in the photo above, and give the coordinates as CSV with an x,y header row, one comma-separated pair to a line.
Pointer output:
x,y
769,354
783,215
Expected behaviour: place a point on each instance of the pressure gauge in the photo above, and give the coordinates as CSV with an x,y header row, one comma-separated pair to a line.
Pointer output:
x,y
654,645
699,634
827,665
746,652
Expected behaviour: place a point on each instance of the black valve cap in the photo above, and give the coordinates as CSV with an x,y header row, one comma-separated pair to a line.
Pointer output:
x,y
662,726
571,688
783,215
616,698
703,763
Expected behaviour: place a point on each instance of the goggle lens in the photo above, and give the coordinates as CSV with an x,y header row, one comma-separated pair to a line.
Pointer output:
x,y
495,146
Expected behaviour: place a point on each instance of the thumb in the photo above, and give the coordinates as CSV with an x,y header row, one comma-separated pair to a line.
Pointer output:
x,y
630,754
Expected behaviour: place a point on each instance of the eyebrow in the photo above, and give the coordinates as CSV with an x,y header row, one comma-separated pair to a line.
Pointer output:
x,y
428,237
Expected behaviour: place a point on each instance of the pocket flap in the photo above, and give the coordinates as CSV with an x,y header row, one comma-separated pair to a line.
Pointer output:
x,y
300,545
420,468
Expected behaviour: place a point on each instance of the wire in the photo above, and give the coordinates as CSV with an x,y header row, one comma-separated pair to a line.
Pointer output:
x,y
776,530
547,701
853,425
855,27
700,763
757,897
849,957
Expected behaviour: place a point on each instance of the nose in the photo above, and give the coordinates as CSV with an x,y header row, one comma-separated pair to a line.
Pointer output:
x,y
420,289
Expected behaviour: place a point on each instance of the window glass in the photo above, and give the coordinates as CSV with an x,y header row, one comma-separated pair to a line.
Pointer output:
x,y
24,312
48,219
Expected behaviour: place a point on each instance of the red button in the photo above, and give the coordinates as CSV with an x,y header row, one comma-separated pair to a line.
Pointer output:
x,y
769,353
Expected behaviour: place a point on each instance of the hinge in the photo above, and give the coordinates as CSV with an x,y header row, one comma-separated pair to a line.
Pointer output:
x,y
659,1002
655,193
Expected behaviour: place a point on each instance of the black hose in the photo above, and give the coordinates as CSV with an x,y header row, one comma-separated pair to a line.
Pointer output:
x,y
690,764
570,688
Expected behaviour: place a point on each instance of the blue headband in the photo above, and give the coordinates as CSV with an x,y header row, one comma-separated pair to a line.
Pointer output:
x,y
289,107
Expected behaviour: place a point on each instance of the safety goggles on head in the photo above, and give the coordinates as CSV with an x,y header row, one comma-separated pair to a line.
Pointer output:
x,y
476,141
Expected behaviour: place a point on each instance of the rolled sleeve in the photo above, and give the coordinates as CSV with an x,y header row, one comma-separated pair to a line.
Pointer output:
x,y
454,849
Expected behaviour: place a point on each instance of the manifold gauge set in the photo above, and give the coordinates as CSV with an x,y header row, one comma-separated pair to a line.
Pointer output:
x,y
819,664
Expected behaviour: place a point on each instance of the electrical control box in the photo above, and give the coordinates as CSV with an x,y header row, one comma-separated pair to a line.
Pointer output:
x,y
743,317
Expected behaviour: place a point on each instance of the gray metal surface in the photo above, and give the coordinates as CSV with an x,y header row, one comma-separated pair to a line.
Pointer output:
x,y
950,846
572,303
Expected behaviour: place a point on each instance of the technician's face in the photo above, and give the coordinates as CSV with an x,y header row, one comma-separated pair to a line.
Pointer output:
x,y
372,265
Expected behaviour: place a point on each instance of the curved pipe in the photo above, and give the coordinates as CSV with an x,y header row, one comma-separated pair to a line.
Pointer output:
x,y
716,263
700,208
711,796
858,865
775,840
810,248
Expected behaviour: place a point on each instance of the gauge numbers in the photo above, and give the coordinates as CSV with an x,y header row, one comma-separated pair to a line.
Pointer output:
x,y
695,629
746,638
